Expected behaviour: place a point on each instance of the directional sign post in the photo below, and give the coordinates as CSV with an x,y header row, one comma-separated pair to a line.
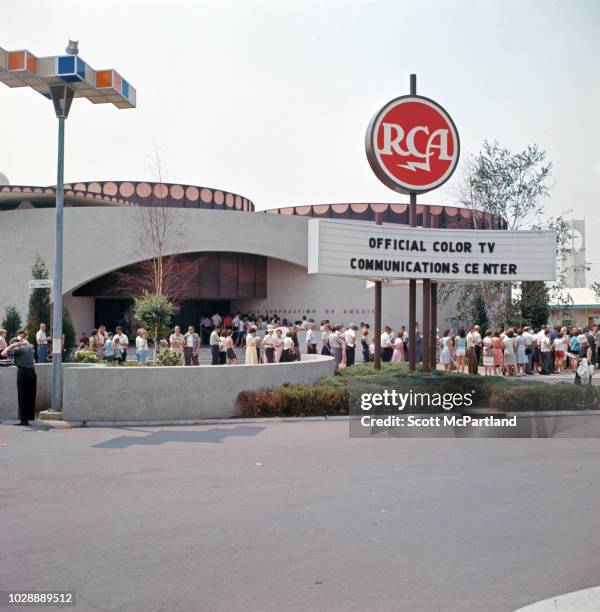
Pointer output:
x,y
40,283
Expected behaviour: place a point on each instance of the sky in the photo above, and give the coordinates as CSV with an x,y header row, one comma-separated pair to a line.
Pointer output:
x,y
271,98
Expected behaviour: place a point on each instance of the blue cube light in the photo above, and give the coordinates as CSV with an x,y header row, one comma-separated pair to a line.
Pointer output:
x,y
71,68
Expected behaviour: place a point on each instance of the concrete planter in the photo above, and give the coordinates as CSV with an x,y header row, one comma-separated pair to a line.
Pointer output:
x,y
100,393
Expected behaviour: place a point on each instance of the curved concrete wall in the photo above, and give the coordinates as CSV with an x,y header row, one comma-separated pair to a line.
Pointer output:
x,y
171,394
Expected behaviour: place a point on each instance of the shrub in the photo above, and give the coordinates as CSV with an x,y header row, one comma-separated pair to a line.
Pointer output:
x,y
292,400
68,329
39,301
338,394
154,313
542,396
11,322
86,356
128,364
168,358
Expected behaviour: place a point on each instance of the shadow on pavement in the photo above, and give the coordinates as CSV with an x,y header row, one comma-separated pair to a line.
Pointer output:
x,y
161,437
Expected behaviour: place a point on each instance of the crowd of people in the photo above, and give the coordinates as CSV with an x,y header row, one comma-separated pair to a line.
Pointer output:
x,y
512,351
225,336
516,351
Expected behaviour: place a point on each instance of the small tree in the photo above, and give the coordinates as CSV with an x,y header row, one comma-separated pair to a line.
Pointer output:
x,y
479,312
11,322
512,186
68,329
155,313
534,303
39,300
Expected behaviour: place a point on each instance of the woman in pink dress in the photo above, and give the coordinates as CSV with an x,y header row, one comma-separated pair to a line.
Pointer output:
x,y
278,345
398,354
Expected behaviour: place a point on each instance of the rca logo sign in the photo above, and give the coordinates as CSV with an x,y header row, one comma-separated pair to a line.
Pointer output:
x,y
412,145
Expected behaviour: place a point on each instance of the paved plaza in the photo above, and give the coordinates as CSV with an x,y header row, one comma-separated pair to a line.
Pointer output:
x,y
296,516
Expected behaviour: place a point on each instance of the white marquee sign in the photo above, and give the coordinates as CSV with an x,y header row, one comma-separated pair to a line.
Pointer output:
x,y
390,251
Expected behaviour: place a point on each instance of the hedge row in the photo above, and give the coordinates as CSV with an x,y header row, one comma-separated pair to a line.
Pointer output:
x,y
293,400
337,395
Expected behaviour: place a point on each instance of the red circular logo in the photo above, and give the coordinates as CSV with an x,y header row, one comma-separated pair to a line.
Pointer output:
x,y
412,145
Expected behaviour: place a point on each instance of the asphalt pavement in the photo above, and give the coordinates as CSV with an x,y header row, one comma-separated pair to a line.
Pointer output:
x,y
296,516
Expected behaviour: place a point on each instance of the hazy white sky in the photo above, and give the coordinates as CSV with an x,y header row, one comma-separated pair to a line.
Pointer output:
x,y
271,99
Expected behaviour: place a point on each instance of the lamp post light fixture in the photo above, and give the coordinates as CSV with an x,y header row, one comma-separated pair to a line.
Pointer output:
x,y
61,78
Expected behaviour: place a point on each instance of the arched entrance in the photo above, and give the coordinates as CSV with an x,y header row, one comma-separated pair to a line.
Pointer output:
x,y
212,280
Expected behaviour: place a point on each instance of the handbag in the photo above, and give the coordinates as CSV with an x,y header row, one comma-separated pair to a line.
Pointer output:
x,y
583,369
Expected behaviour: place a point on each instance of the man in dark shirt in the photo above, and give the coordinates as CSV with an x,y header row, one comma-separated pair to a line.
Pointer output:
x,y
22,353
296,341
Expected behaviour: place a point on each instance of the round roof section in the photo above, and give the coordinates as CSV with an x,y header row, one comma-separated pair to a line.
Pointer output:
x,y
127,193
450,217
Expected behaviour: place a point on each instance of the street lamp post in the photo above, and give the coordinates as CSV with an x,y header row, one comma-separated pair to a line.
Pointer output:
x,y
61,78
62,96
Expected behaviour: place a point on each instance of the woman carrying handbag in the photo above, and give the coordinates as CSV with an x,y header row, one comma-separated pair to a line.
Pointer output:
x,y
585,364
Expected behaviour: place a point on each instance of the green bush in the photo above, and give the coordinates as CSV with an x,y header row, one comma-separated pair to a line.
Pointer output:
x,y
168,358
39,301
68,330
128,364
11,322
86,356
154,312
292,400
338,394
543,396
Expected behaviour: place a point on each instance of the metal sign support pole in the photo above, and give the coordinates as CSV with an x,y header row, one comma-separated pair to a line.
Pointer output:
x,y
433,222
377,319
426,337
412,283
433,355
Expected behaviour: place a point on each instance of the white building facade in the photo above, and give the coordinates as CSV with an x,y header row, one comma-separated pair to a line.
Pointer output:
x,y
254,262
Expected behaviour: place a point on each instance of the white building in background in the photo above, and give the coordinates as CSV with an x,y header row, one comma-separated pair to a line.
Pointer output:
x,y
572,264
583,309
254,262
580,305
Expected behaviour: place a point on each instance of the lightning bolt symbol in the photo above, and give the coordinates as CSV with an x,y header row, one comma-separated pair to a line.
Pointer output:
x,y
414,166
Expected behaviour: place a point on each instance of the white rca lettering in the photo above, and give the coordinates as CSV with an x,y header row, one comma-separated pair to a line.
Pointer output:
x,y
393,135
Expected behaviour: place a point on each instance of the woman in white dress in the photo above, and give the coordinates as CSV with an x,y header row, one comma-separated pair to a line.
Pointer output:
x,y
446,354
510,358
488,353
251,355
